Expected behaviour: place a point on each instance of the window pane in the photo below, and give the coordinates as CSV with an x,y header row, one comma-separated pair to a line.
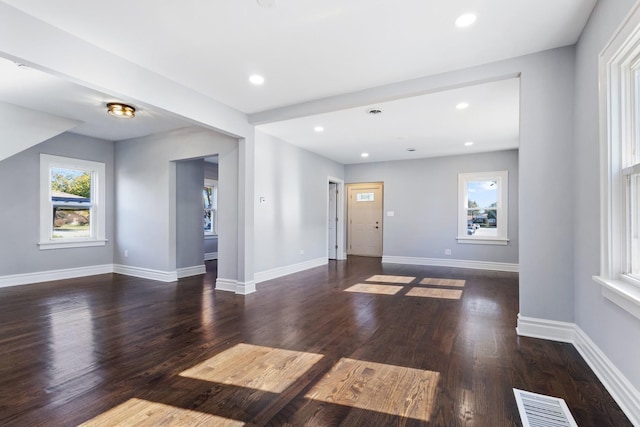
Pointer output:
x,y
71,222
207,195
482,194
634,221
364,197
634,156
71,183
208,220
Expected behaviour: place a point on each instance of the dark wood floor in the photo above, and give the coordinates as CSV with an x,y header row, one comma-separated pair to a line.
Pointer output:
x,y
307,349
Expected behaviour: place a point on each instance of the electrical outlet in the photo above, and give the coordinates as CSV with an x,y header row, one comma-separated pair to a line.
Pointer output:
x,y
126,253
447,251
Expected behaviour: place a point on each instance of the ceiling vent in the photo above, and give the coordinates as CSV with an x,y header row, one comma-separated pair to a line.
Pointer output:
x,y
537,410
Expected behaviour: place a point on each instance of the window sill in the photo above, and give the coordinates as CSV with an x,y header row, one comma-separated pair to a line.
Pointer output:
x,y
74,244
483,240
623,294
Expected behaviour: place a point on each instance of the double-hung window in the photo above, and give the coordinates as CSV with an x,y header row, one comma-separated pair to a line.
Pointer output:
x,y
482,208
210,201
620,167
72,202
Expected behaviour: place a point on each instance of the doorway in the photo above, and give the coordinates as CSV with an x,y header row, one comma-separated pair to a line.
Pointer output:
x,y
335,219
364,219
332,223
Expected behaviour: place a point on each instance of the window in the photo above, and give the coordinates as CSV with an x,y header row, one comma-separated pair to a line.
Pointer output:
x,y
365,197
210,200
620,167
482,213
72,203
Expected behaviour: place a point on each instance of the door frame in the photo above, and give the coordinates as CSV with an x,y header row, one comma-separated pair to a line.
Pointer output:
x,y
341,253
359,184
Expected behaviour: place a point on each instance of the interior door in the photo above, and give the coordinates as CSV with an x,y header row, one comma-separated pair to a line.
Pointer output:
x,y
364,211
333,221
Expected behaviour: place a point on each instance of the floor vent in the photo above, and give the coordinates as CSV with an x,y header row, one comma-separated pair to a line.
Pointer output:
x,y
538,410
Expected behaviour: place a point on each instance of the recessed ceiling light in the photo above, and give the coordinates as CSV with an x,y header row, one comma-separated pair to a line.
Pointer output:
x,y
462,105
364,155
318,129
256,79
465,20
468,143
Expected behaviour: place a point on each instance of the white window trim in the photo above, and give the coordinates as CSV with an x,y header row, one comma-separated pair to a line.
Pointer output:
x,y
502,178
616,130
212,234
98,199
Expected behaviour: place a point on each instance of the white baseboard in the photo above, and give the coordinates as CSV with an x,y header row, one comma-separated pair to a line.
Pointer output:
x,y
457,263
274,273
245,288
622,391
210,255
546,329
47,276
195,270
146,273
228,285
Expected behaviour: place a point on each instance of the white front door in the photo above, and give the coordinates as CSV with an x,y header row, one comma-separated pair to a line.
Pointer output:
x,y
364,219
333,221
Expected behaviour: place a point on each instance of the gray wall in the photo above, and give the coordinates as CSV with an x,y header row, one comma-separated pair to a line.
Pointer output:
x,y
189,211
614,330
294,217
20,214
211,242
146,183
423,194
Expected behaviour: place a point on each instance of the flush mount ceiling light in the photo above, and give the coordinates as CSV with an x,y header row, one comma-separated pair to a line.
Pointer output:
x,y
318,129
468,143
462,105
465,20
124,111
256,79
364,155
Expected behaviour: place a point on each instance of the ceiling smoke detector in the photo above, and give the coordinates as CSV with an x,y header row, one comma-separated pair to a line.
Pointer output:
x,y
374,111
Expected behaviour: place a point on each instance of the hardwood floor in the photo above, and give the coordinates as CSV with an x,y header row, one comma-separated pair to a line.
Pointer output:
x,y
406,346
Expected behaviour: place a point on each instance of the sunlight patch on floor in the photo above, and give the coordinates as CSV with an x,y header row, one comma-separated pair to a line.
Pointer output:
x,y
435,293
139,412
256,367
368,288
390,389
443,282
390,279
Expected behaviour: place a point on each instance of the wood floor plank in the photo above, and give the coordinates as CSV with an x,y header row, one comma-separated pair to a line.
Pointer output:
x,y
114,349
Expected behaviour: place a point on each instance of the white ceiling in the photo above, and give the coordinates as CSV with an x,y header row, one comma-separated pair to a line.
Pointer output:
x,y
431,124
33,89
310,49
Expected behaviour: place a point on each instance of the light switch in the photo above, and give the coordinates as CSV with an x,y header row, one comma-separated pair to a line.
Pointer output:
x,y
391,213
